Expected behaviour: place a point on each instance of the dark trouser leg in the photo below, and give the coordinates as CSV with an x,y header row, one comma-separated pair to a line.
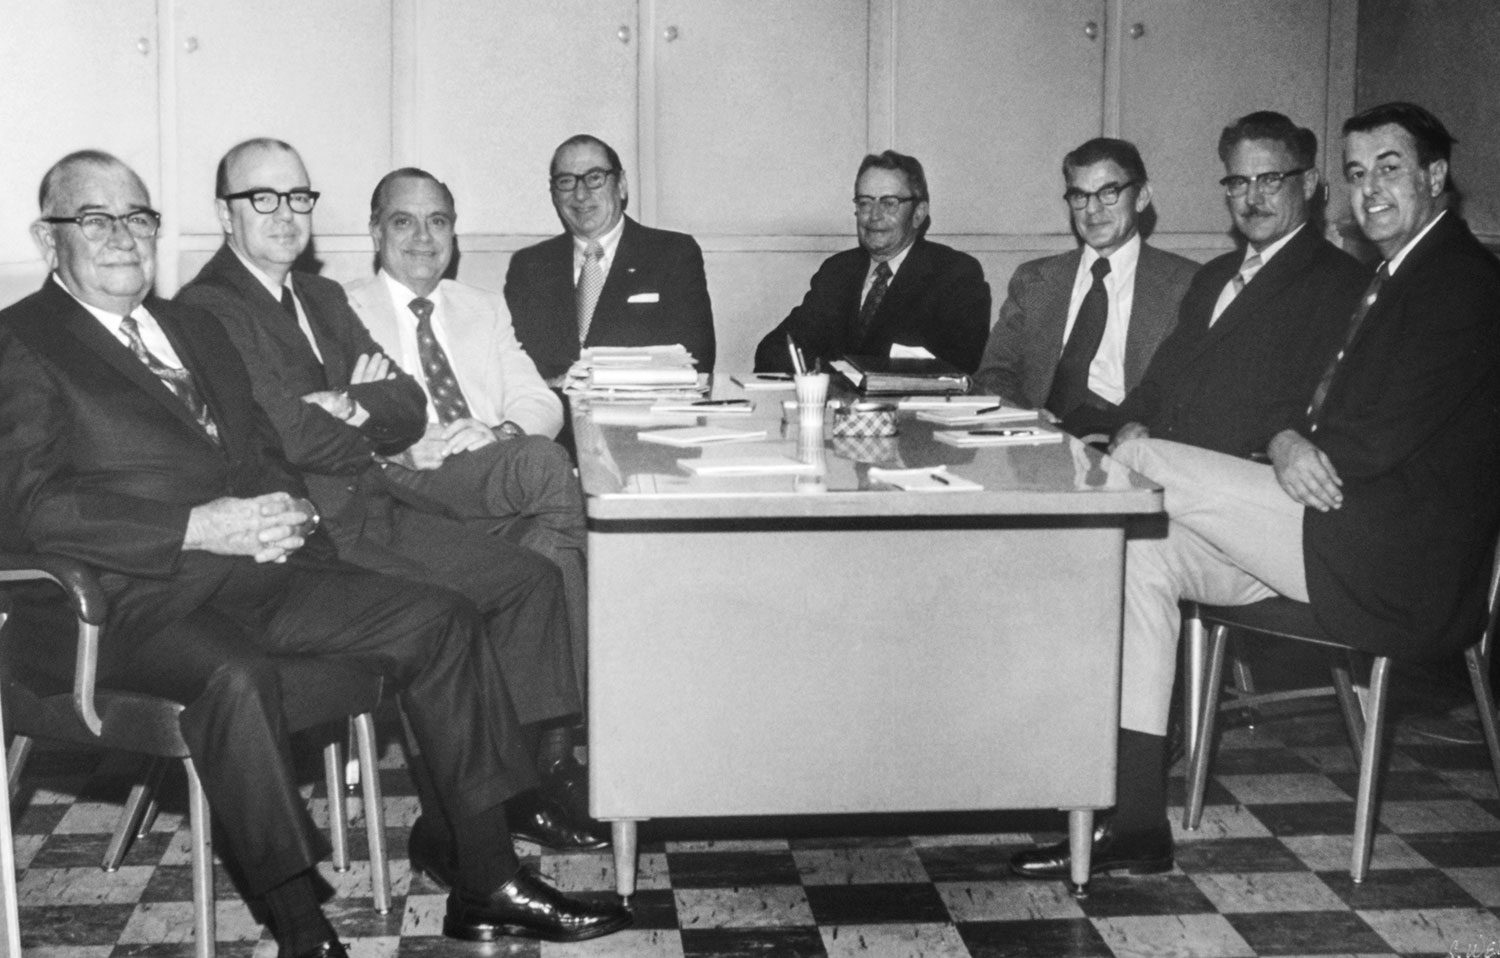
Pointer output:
x,y
1141,783
525,490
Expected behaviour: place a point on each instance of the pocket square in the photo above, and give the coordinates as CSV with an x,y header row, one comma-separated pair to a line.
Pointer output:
x,y
645,298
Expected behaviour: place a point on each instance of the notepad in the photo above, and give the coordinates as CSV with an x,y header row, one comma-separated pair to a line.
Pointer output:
x,y
998,437
969,416
700,435
932,479
947,402
749,466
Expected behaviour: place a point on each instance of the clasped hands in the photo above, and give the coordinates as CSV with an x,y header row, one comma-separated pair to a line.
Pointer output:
x,y
440,442
370,368
268,528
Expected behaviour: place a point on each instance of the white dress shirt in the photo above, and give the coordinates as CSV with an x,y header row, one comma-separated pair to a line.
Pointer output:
x,y
1107,371
151,333
609,242
410,355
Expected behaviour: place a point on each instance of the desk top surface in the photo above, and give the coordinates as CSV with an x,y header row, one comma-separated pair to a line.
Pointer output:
x,y
626,478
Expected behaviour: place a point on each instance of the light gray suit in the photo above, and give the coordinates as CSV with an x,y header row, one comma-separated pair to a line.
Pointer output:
x,y
1021,356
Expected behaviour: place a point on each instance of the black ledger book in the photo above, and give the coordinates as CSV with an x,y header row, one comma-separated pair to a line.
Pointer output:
x,y
884,375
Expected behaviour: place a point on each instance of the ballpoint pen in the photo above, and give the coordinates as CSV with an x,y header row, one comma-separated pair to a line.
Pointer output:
x,y
989,409
939,478
721,402
1005,432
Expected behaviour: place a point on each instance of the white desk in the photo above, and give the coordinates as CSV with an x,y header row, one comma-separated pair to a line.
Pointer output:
x,y
757,647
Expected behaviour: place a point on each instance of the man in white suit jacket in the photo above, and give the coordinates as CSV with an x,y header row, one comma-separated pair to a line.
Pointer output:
x,y
488,450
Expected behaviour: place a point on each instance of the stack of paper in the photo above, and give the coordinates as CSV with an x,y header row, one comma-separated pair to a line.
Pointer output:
x,y
700,435
636,373
997,436
969,416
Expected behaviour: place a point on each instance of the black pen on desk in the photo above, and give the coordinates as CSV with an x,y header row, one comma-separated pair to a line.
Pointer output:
x,y
939,477
989,409
1005,432
721,402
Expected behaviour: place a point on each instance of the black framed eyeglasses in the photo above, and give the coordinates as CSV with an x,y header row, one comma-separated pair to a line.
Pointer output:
x,y
1107,195
269,201
591,179
1269,184
890,205
142,224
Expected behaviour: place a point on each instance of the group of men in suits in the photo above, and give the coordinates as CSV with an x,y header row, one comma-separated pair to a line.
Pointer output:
x,y
1321,433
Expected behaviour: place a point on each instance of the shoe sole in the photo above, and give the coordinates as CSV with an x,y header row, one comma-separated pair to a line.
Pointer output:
x,y
489,933
600,845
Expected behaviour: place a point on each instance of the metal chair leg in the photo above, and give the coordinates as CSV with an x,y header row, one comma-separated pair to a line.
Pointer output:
x,y
1192,814
1194,651
15,761
1484,702
1369,769
1244,684
380,874
338,812
203,865
1349,705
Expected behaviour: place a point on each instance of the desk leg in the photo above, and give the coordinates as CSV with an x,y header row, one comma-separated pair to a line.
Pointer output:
x,y
8,904
1080,848
624,836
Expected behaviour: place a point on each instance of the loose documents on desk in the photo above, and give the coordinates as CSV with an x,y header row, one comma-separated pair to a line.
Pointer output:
x,y
700,435
636,373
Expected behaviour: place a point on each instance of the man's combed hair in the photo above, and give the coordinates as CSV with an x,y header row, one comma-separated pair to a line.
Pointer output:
x,y
1299,141
377,197
62,167
221,175
1104,148
1434,142
909,166
587,139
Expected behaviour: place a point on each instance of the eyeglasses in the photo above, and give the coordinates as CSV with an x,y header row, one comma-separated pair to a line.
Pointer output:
x,y
591,179
142,224
269,201
1269,184
1107,195
890,205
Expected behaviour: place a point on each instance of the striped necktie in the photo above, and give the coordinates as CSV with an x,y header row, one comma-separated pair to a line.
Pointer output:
x,y
1320,395
178,381
872,302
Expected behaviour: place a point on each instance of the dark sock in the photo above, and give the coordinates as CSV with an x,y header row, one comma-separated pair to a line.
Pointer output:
x,y
297,919
554,747
1141,783
485,857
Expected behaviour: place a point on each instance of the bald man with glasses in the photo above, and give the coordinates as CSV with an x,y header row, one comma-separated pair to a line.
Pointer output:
x,y
1077,330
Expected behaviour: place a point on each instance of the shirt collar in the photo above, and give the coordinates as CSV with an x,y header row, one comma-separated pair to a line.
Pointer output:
x,y
401,295
110,320
272,287
1121,262
1276,247
608,242
1395,261
894,262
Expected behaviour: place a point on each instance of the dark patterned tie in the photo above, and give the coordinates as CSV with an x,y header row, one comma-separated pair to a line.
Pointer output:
x,y
590,285
1320,395
289,304
1070,386
442,386
179,381
872,302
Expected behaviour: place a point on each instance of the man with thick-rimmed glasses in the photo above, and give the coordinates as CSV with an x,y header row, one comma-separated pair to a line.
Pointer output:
x,y
897,293
606,280
1077,330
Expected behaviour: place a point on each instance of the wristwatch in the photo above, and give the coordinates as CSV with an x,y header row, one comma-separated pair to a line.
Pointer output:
x,y
510,430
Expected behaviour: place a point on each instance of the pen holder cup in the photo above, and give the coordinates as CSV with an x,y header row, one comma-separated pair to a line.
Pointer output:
x,y
864,420
812,396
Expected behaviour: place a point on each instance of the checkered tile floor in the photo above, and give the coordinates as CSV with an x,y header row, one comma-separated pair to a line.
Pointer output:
x,y
1265,875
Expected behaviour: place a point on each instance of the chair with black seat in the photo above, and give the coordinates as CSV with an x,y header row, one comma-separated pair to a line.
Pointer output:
x,y
315,692
1285,618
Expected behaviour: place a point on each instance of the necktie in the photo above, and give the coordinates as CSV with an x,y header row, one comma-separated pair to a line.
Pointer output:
x,y
590,284
1070,387
289,304
1237,284
1320,395
872,301
179,381
442,385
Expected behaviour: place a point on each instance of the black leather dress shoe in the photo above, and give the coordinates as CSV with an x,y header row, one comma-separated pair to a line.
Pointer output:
x,y
527,907
332,948
542,820
431,853
1143,853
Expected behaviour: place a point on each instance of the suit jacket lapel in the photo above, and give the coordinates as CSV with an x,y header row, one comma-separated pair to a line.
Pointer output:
x,y
268,309
621,275
1150,300
1266,285
912,276
1057,296
557,280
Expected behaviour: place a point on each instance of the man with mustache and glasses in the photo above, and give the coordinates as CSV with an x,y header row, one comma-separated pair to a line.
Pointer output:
x,y
1255,323
1077,330
1378,506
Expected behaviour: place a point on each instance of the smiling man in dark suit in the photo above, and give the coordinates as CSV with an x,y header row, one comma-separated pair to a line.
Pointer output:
x,y
897,293
1077,330
607,280
1378,507
129,440
1256,323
